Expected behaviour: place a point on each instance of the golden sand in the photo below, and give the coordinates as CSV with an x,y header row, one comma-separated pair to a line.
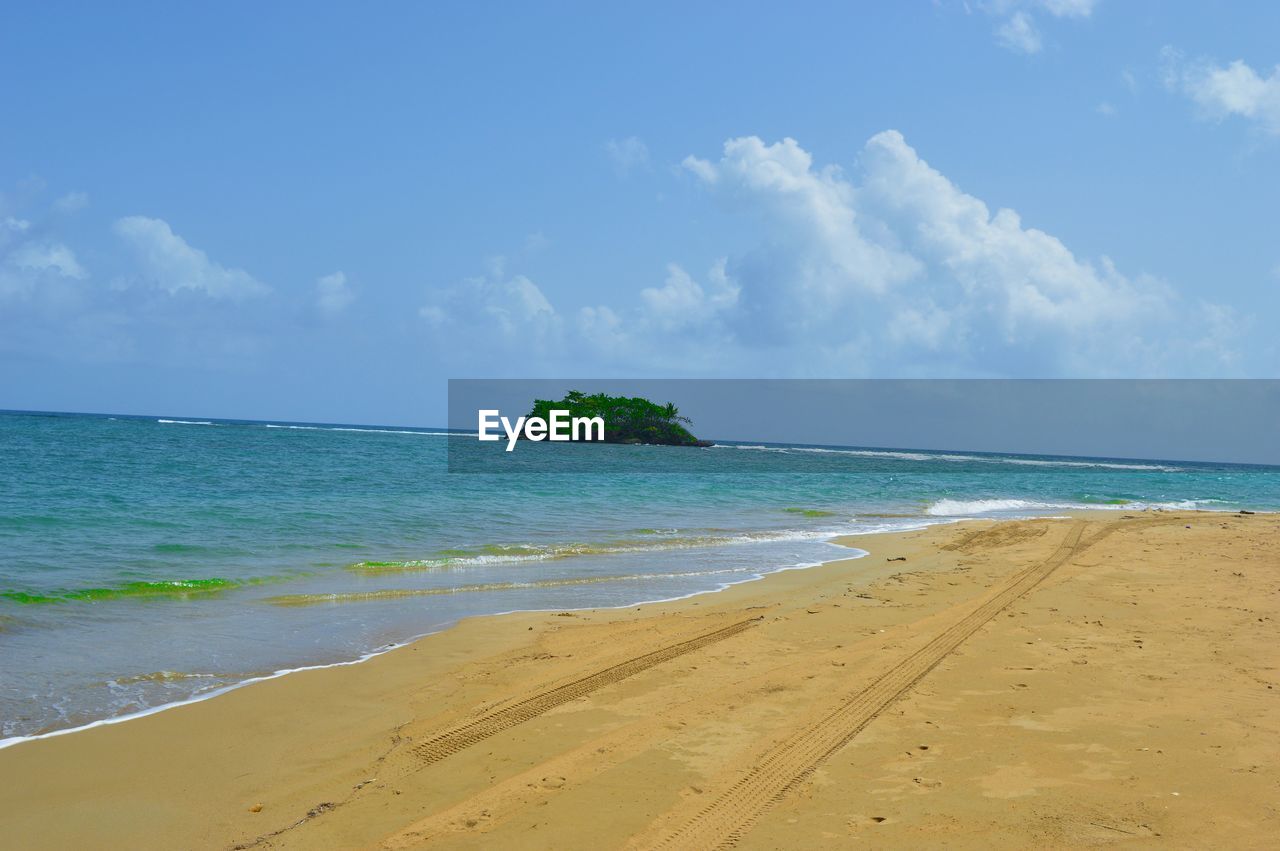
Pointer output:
x,y
1048,683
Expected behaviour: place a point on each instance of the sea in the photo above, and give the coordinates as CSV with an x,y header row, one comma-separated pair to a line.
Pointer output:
x,y
150,561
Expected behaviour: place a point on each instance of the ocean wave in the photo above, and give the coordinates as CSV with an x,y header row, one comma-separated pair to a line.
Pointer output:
x,y
517,553
185,422
403,593
862,453
904,455
1106,465
961,507
365,430
161,677
199,697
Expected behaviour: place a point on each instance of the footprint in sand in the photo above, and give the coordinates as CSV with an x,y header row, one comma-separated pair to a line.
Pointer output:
x,y
859,822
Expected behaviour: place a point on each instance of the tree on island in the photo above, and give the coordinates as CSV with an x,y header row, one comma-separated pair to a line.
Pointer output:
x,y
627,419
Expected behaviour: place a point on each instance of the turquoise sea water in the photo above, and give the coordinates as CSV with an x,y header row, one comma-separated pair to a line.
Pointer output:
x,y
146,561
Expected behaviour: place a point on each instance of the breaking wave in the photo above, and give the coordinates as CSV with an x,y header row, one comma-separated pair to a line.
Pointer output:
x,y
966,507
902,455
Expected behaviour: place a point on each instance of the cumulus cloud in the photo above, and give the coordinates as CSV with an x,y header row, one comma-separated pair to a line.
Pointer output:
x,y
1025,279
505,324
333,296
1018,33
47,256
28,259
925,326
907,264
894,270
1222,91
1018,29
510,313
149,298
170,263
683,327
628,154
829,257
681,301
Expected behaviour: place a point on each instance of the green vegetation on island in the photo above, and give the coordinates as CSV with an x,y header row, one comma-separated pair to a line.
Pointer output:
x,y
626,419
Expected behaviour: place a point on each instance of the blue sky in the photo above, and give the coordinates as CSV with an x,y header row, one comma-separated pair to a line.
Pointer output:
x,y
321,213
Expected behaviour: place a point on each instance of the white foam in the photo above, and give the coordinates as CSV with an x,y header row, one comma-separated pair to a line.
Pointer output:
x,y
864,453
555,552
366,430
962,508
185,422
198,698
1107,465
903,455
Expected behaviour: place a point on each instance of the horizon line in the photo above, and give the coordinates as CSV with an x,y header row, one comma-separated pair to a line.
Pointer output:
x,y
191,419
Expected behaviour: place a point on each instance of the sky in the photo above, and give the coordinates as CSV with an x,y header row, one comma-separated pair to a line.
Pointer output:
x,y
322,212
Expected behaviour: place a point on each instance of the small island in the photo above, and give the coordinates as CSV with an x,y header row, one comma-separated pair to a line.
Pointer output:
x,y
626,419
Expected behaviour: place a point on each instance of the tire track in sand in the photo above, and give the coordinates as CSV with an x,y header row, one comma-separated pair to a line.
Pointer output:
x,y
463,736
724,821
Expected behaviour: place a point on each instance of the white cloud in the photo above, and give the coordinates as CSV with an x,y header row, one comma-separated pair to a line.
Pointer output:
x,y
333,296
513,307
899,272
925,326
1223,329
1025,280
72,202
11,227
1069,8
681,301
600,325
1018,28
53,308
1106,108
1019,33
905,257
28,260
628,154
813,209
821,252
47,256
683,327
168,261
702,169
1221,91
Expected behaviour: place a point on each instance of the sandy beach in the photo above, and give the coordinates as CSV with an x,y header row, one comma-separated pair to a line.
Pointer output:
x,y
1106,678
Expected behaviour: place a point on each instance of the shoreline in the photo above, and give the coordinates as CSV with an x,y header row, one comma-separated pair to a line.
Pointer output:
x,y
333,746
13,741
926,522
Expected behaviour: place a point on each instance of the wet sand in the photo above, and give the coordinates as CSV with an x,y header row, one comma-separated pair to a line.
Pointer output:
x,y
1102,679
